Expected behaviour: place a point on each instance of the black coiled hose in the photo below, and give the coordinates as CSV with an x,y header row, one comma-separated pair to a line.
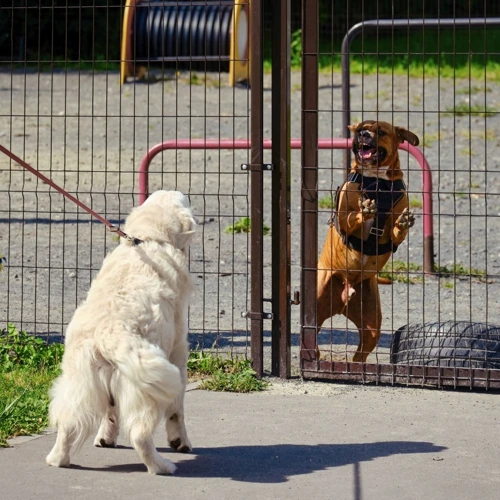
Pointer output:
x,y
186,35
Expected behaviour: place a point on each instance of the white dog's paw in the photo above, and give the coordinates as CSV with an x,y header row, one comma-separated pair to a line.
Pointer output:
x,y
162,466
57,460
181,445
102,442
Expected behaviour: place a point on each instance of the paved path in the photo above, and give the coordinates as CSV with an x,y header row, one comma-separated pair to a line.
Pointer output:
x,y
297,441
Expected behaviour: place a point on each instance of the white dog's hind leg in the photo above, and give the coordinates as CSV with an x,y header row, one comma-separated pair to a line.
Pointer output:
x,y
59,456
139,417
175,425
142,441
176,428
108,431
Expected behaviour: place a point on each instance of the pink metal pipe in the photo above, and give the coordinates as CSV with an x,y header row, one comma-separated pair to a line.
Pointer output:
x,y
297,144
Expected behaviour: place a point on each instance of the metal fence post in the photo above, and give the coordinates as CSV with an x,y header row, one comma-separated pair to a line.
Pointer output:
x,y
256,187
309,192
281,258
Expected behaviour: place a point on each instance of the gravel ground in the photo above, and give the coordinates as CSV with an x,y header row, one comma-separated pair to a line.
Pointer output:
x,y
89,135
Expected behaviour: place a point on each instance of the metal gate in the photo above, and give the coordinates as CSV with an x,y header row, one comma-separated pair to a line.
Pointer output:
x,y
439,316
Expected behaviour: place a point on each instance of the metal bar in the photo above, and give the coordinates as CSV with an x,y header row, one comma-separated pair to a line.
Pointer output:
x,y
309,186
425,376
377,24
256,184
281,276
309,192
183,59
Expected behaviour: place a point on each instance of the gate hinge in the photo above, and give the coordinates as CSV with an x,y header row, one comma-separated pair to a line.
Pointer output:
x,y
296,298
257,315
257,167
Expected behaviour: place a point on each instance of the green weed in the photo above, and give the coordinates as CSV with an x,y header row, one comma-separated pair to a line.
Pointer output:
x,y
20,350
465,108
416,201
244,225
472,90
326,201
403,272
223,374
460,270
430,139
296,49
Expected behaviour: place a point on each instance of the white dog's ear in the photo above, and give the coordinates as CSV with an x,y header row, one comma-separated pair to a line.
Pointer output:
x,y
182,240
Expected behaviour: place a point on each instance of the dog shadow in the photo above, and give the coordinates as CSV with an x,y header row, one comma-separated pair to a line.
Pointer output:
x,y
276,463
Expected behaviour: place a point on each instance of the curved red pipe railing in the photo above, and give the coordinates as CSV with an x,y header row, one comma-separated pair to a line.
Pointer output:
x,y
297,144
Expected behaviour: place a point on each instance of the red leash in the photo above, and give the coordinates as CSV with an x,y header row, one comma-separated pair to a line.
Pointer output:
x,y
46,180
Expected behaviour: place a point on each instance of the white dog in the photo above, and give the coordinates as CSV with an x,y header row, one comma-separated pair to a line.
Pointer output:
x,y
125,361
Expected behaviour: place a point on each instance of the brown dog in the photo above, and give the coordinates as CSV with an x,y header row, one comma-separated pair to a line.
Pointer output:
x,y
371,219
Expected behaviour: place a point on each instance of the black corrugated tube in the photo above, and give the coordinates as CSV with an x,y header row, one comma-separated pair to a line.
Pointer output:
x,y
182,33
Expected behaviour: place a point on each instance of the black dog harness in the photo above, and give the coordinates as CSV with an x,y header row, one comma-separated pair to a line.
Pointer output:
x,y
385,194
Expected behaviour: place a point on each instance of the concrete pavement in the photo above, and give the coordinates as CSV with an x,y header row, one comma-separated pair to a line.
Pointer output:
x,y
297,441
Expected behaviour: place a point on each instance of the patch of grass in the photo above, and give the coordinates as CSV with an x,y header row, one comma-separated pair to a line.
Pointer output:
x,y
430,139
472,90
467,152
224,374
24,402
99,64
244,225
296,49
478,134
460,270
449,284
403,272
20,350
465,108
416,201
326,201
28,365
194,79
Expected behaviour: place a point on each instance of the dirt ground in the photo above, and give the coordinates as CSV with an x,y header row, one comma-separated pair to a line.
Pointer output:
x,y
89,134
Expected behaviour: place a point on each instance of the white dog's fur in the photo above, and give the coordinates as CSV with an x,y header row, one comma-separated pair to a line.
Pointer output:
x,y
126,352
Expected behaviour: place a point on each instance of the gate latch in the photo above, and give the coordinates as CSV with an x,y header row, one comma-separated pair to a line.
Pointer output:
x,y
257,315
257,167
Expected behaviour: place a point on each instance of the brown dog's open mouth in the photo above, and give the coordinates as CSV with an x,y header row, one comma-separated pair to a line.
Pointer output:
x,y
370,154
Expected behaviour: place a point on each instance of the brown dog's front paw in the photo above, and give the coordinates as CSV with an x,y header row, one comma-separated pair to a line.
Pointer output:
x,y
406,219
368,209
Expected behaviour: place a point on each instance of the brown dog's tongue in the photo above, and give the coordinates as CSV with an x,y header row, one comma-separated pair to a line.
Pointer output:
x,y
366,153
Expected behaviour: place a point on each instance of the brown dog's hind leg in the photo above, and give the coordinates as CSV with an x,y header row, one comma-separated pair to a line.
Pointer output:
x,y
330,290
365,312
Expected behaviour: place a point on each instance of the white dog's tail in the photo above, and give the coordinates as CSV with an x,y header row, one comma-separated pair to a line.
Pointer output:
x,y
147,368
138,370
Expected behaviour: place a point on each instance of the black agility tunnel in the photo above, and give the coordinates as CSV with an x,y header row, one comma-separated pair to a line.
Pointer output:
x,y
200,35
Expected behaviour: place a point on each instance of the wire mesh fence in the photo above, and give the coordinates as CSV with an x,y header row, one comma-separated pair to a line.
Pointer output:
x,y
65,113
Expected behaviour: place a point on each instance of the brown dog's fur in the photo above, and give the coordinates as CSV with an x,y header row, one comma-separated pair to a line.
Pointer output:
x,y
347,279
